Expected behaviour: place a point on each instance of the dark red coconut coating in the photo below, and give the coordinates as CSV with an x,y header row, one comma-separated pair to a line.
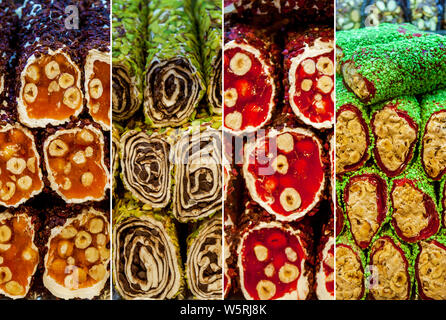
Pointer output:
x,y
381,201
315,105
429,204
339,219
255,87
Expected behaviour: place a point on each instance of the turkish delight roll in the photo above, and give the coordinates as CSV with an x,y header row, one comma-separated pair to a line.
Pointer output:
x,y
325,268
96,39
309,75
208,15
391,267
20,171
380,11
146,167
273,262
350,270
285,173
48,85
425,14
74,162
348,14
250,79
173,77
366,204
78,256
395,127
19,255
115,141
145,249
430,270
381,72
128,23
204,260
354,140
197,159
414,210
433,135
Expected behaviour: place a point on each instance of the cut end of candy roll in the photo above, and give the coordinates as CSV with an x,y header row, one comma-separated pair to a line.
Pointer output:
x,y
325,273
126,98
19,255
433,153
76,264
349,273
272,263
284,172
356,82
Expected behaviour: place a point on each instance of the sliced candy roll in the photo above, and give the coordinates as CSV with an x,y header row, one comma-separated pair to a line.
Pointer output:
x,y
430,270
9,23
433,135
354,140
395,126
128,21
414,210
227,274
197,162
48,86
74,161
390,11
348,14
325,267
20,173
284,172
145,166
96,18
348,42
173,79
19,255
115,142
146,256
366,204
391,268
309,75
425,14
273,263
204,260
250,79
350,270
381,72
78,256
208,15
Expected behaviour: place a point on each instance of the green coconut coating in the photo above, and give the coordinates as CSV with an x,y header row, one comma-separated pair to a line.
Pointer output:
x,y
349,40
407,250
132,209
208,14
347,239
406,67
172,36
364,171
128,32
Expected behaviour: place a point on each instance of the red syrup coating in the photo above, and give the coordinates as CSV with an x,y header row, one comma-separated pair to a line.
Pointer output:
x,y
276,240
253,90
305,173
431,211
381,201
305,100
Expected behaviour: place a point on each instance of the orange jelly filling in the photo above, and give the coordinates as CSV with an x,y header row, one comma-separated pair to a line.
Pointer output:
x,y
18,254
75,161
57,96
99,103
19,167
79,254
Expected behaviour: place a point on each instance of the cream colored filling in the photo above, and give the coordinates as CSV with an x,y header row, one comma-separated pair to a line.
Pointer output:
x,y
362,210
349,275
351,143
394,138
409,211
354,80
390,272
434,145
432,271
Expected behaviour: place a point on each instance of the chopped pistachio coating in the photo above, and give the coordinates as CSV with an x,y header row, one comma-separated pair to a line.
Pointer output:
x,y
174,82
384,71
208,16
432,147
128,23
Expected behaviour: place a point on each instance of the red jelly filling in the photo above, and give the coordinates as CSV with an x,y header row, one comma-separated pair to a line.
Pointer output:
x,y
329,285
305,172
276,241
254,91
